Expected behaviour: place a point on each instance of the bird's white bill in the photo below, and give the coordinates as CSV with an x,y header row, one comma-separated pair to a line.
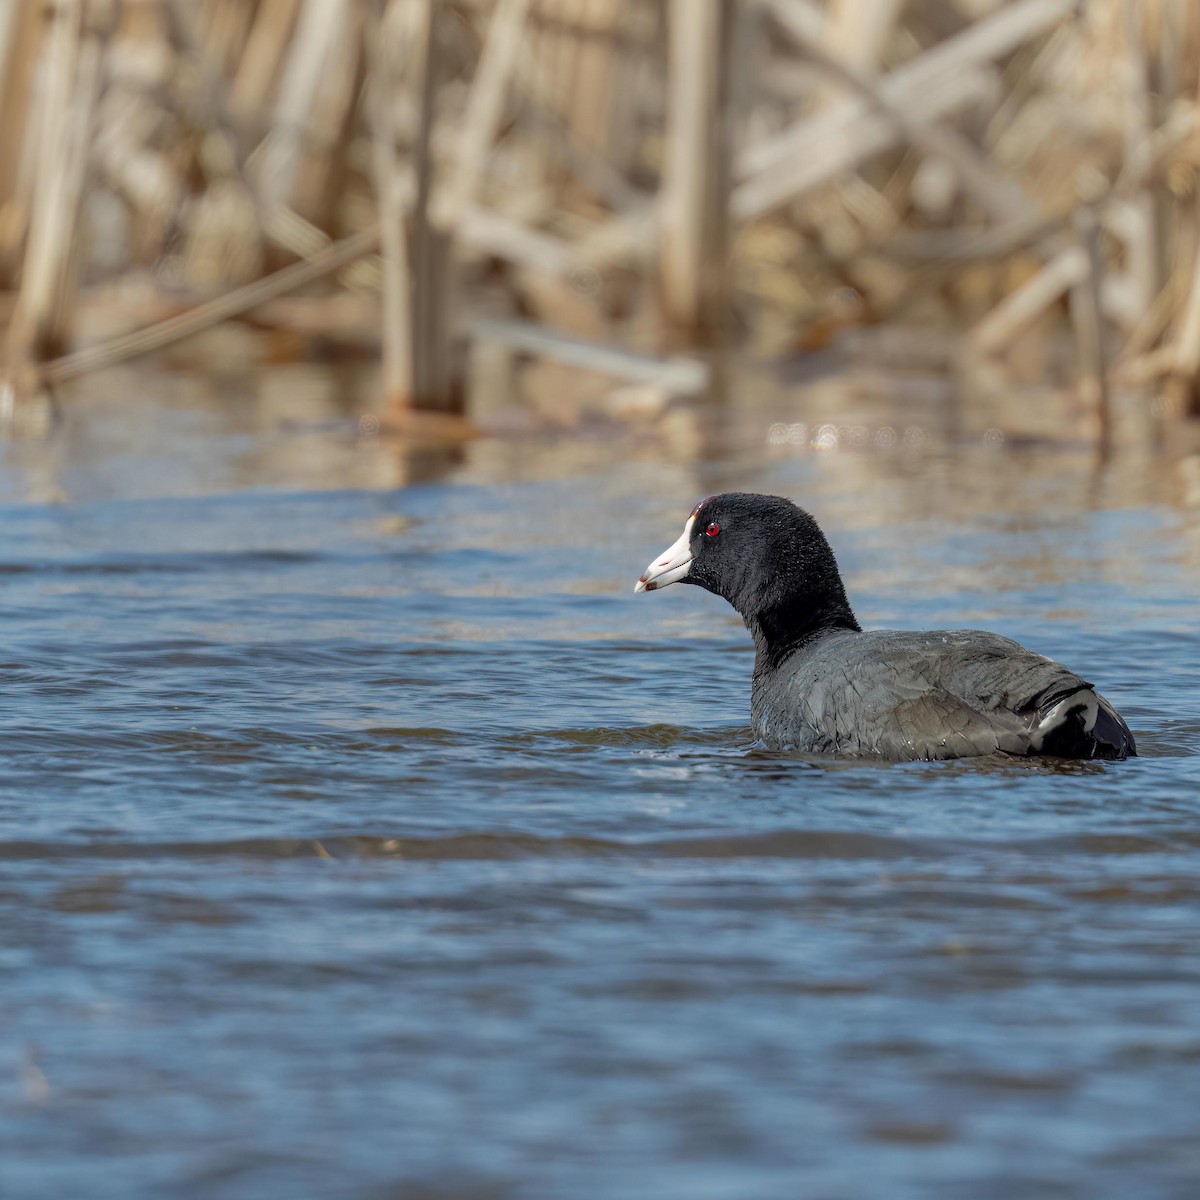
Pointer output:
x,y
671,565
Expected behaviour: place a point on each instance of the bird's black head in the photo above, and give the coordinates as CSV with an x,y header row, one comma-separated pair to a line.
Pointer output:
x,y
768,558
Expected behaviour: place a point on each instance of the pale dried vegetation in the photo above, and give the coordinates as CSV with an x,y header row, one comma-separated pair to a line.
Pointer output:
x,y
583,178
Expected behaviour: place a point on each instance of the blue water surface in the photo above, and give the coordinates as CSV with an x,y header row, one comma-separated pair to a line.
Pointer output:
x,y
362,833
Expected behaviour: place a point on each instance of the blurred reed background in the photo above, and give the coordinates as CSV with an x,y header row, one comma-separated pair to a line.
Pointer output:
x,y
614,184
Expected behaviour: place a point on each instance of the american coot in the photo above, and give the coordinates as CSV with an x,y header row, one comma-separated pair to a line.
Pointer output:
x,y
823,685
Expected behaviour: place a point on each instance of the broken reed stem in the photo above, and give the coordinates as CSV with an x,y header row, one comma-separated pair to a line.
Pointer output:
x,y
814,149
995,193
205,316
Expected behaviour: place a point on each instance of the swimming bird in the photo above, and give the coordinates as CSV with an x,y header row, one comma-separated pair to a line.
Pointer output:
x,y
822,685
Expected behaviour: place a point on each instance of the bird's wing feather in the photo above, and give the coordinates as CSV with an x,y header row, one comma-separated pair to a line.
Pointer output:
x,y
941,694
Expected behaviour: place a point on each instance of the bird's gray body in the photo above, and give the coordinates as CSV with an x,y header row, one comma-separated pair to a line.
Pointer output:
x,y
929,695
823,686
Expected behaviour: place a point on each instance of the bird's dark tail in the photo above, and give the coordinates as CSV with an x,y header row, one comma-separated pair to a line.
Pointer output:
x,y
1082,724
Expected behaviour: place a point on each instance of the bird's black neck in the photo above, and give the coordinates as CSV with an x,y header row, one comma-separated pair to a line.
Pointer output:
x,y
785,584
781,631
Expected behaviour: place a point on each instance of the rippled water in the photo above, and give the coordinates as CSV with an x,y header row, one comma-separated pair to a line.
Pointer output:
x,y
362,834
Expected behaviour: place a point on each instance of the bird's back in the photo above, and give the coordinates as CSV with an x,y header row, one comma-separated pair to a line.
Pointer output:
x,y
926,695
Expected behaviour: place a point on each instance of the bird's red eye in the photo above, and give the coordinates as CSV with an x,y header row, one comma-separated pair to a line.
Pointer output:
x,y
713,529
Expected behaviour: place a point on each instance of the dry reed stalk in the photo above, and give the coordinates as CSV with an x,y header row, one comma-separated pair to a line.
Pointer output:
x,y
125,159
677,375
223,225
572,80
1088,320
1148,330
244,220
1143,235
485,108
20,38
205,316
535,79
857,31
633,81
694,205
319,28
397,331
265,49
628,239
222,242
558,53
10,37
591,83
994,191
489,232
1029,92
220,154
329,115
1178,31
1185,356
875,213
834,149
557,153
418,365
135,149
434,378
41,320
942,80
1021,308
226,26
